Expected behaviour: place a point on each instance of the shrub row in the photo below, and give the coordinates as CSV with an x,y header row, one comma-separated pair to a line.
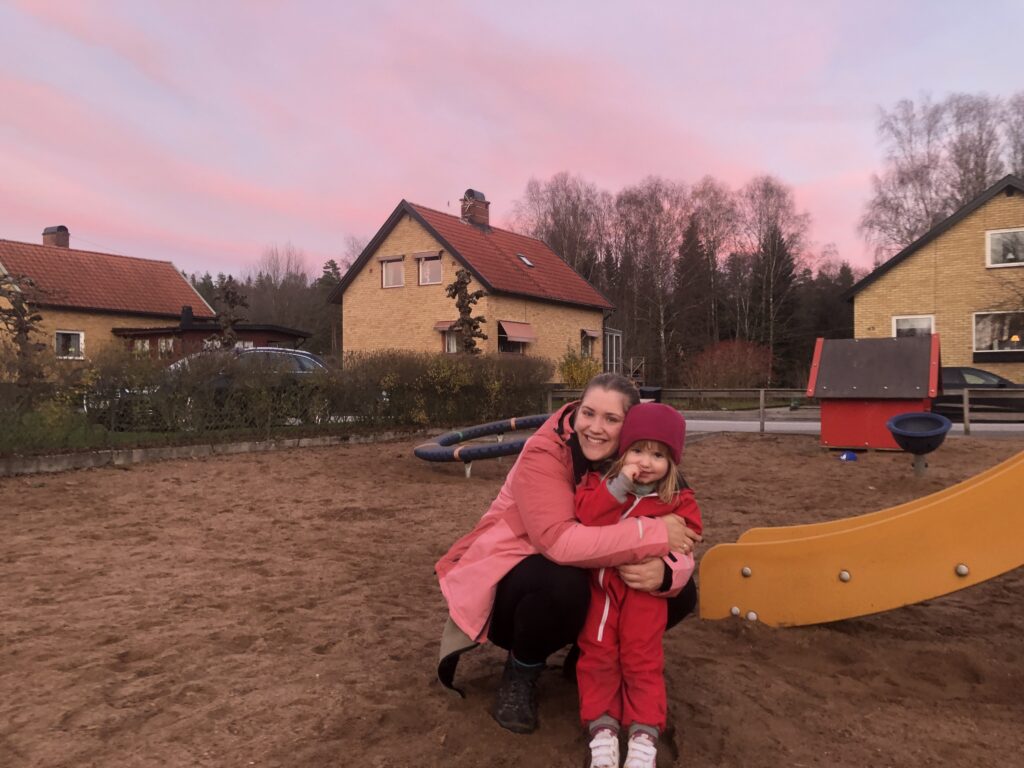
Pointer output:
x,y
123,401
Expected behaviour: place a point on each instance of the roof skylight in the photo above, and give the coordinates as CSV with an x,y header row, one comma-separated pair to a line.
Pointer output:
x,y
525,260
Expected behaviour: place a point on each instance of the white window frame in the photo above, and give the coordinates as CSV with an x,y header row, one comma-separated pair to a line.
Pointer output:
x,y
384,272
988,249
451,341
929,318
440,274
165,346
81,345
140,346
974,329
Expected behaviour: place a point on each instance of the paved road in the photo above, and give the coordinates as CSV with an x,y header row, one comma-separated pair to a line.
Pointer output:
x,y
807,422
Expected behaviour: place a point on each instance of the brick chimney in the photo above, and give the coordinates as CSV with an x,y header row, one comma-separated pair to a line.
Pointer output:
x,y
474,208
58,236
187,317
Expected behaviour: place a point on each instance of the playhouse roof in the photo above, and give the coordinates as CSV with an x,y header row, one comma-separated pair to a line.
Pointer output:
x,y
904,368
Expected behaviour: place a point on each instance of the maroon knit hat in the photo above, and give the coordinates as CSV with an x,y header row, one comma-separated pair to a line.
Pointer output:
x,y
654,421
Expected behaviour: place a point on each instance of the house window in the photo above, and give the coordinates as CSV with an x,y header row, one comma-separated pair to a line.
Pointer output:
x,y
392,274
247,344
430,270
1004,247
913,325
140,347
70,345
165,346
525,260
998,331
514,335
587,339
451,342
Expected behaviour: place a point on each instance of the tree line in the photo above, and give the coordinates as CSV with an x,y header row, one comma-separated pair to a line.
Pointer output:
x,y
691,267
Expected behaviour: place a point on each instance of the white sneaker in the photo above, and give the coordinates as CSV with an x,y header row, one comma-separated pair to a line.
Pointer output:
x,y
604,749
642,752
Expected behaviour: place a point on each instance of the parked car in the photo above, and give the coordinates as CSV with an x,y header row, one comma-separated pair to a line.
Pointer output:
x,y
291,361
987,393
213,389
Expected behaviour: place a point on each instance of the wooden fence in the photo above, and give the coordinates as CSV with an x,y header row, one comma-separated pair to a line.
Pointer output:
x,y
762,397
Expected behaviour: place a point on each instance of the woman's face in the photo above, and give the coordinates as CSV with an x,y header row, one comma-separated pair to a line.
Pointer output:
x,y
599,422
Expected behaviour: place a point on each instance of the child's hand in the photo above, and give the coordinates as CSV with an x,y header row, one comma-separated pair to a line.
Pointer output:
x,y
630,471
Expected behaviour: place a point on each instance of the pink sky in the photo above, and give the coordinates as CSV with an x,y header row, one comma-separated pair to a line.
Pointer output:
x,y
202,133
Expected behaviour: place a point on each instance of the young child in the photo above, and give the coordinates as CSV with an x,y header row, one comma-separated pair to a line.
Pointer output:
x,y
621,665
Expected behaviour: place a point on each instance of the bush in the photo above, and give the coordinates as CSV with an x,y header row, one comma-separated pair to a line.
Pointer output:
x,y
576,369
730,365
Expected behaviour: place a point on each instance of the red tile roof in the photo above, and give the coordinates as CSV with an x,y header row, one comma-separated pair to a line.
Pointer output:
x,y
102,281
493,254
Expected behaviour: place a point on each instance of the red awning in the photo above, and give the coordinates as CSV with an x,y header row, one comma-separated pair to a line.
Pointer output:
x,y
591,333
444,325
518,331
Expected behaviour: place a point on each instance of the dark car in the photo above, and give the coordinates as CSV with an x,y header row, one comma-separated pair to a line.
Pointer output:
x,y
290,361
987,397
214,389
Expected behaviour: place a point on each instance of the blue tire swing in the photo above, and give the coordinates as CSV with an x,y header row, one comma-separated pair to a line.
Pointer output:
x,y
448,446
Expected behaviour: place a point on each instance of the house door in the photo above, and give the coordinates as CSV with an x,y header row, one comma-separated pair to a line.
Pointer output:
x,y
612,350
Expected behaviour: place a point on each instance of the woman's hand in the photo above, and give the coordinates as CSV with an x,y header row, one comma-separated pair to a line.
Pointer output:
x,y
680,538
645,576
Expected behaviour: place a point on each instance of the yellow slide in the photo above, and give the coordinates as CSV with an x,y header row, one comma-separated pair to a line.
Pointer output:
x,y
808,574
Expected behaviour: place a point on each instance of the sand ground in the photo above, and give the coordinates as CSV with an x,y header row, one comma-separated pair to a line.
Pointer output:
x,y
280,610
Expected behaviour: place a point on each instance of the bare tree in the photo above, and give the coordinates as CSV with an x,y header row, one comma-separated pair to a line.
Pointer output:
x,y
939,156
571,215
973,148
1013,128
908,195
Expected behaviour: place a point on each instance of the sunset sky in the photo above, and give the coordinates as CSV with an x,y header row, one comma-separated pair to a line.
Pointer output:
x,y
203,131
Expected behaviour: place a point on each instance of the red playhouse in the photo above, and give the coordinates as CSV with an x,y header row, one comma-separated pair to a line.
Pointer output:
x,y
862,383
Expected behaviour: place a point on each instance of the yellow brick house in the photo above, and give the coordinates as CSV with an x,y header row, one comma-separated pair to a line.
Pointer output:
x,y
963,279
393,295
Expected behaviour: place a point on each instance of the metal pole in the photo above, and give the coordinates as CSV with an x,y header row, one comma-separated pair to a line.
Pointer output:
x,y
967,411
761,399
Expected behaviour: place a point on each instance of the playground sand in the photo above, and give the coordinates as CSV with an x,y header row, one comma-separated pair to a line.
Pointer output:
x,y
280,610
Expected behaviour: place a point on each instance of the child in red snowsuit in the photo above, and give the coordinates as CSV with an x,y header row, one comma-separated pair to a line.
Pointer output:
x,y
621,665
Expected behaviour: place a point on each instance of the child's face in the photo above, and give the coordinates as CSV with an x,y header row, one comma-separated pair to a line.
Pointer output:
x,y
650,460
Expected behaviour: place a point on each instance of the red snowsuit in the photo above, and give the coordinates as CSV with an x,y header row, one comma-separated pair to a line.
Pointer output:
x,y
621,666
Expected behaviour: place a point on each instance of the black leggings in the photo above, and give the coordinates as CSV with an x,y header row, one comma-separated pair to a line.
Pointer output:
x,y
540,606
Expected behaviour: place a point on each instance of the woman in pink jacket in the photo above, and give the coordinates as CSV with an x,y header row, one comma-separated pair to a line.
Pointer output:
x,y
519,578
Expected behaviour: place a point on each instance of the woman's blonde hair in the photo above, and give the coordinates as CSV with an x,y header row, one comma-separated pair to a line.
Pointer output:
x,y
670,484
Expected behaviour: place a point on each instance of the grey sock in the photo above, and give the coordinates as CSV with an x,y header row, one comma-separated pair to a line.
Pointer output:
x,y
604,721
648,729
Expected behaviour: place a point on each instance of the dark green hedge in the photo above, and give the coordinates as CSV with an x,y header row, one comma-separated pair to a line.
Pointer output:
x,y
121,401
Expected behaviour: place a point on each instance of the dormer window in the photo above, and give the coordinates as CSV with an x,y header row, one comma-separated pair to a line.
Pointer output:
x,y
525,260
1004,247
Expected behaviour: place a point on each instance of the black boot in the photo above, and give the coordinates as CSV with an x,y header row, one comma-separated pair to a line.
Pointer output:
x,y
516,704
